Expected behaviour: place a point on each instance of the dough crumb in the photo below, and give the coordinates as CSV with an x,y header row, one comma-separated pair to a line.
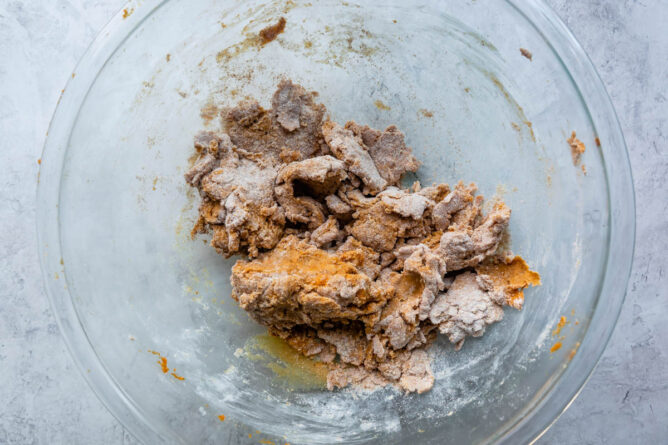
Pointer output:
x,y
271,32
526,53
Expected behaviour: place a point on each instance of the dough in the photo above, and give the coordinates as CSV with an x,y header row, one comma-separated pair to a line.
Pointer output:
x,y
341,261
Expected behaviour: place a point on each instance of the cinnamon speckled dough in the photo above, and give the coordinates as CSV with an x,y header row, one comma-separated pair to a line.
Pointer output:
x,y
380,226
459,199
241,191
346,146
267,132
343,263
405,204
388,150
327,232
322,175
467,248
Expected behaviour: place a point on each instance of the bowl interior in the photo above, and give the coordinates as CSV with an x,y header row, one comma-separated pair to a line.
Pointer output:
x,y
451,76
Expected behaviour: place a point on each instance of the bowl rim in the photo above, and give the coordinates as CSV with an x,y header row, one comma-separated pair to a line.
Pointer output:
x,y
547,405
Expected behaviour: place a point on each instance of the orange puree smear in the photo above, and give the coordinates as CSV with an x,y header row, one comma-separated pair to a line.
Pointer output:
x,y
313,266
560,326
511,278
573,351
163,364
162,361
433,240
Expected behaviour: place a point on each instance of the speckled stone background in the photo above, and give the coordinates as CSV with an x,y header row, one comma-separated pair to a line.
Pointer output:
x,y
44,399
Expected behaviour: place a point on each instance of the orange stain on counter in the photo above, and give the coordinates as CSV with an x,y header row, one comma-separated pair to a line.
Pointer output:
x,y
221,417
555,347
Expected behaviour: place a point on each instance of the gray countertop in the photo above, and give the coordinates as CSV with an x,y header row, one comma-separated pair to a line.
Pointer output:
x,y
44,399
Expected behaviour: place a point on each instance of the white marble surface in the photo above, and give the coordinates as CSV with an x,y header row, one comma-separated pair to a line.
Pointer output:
x,y
43,398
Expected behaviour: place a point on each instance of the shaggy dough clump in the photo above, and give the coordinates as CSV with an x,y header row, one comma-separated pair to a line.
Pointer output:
x,y
342,262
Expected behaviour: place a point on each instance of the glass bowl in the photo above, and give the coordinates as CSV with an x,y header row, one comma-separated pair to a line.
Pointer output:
x,y
125,278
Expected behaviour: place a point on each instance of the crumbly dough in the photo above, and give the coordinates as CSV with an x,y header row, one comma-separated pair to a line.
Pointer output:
x,y
342,262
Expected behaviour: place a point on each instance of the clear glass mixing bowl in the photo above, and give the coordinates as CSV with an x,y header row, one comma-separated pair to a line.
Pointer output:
x,y
114,212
